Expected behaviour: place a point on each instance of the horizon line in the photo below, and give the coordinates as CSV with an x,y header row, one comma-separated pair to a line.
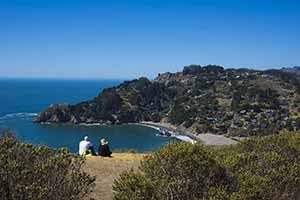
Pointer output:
x,y
61,78
130,78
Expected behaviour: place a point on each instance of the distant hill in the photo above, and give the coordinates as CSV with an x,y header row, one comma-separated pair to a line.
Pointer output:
x,y
295,69
236,102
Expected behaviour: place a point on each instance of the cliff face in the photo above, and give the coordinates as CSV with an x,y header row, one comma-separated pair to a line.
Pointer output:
x,y
238,102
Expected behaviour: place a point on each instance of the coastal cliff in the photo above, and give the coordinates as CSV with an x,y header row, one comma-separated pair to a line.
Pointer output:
x,y
236,102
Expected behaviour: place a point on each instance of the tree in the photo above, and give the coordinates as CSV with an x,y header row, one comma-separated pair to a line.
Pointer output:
x,y
38,173
179,114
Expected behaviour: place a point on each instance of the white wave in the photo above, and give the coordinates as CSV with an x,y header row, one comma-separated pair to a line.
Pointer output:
x,y
149,126
18,116
92,124
184,138
46,123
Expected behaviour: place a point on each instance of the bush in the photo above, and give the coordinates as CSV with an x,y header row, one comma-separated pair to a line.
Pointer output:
x,y
265,167
177,171
258,168
134,185
29,172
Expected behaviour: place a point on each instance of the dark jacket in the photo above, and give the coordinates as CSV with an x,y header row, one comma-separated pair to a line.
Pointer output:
x,y
103,150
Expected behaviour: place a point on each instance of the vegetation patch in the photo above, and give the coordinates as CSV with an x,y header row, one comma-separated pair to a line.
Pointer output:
x,y
259,168
39,173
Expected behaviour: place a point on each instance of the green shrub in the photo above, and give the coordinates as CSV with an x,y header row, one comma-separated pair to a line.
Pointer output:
x,y
177,171
265,168
38,173
134,185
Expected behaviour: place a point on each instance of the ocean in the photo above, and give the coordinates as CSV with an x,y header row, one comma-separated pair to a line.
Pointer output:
x,y
22,99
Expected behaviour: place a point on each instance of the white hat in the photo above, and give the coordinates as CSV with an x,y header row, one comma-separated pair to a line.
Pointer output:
x,y
103,141
86,138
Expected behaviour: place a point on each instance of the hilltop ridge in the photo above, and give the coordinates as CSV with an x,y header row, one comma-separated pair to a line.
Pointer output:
x,y
208,99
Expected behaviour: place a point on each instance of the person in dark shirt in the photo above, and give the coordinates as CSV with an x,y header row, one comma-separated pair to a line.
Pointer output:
x,y
103,149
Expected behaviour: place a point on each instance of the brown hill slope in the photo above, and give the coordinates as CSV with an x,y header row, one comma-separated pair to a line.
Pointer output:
x,y
107,169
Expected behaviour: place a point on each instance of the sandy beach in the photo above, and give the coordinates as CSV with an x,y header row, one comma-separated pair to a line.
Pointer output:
x,y
205,138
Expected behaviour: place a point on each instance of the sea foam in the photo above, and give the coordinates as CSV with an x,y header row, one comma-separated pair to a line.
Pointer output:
x,y
17,116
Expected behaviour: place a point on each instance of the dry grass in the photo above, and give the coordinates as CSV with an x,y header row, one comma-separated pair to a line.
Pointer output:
x,y
107,170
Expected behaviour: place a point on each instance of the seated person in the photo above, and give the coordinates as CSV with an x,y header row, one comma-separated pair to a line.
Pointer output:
x,y
103,149
86,147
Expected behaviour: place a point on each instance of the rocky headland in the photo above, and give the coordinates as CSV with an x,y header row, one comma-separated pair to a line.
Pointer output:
x,y
209,99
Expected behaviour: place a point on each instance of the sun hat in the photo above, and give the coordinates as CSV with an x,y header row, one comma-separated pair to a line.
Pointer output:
x,y
103,141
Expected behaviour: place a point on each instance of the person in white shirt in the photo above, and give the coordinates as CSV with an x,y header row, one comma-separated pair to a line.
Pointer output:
x,y
85,145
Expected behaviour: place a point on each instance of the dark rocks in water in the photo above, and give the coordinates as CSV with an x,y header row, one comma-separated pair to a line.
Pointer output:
x,y
237,102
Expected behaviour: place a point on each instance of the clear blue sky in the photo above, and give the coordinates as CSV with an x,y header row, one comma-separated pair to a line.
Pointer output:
x,y
131,38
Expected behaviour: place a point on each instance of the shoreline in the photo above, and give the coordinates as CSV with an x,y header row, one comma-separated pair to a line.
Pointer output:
x,y
205,138
175,133
179,136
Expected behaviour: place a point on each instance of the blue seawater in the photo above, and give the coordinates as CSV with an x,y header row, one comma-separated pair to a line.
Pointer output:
x,y
21,99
